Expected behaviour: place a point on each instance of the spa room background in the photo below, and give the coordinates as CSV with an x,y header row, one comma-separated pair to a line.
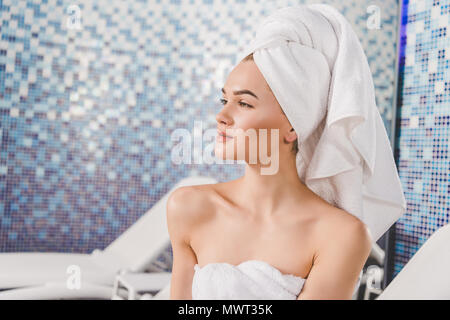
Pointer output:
x,y
87,113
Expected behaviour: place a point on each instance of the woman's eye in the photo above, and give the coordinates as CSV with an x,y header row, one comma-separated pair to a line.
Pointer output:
x,y
243,104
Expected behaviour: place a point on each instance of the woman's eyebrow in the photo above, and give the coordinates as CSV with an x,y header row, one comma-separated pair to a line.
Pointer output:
x,y
239,92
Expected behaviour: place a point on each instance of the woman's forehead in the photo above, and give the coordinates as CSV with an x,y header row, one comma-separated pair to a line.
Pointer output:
x,y
246,75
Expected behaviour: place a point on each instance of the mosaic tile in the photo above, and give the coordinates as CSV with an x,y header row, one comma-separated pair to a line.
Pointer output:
x,y
423,117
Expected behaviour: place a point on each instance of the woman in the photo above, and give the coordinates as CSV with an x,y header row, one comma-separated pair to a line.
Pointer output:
x,y
269,236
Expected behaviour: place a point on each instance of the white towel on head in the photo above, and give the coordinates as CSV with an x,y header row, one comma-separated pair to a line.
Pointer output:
x,y
315,66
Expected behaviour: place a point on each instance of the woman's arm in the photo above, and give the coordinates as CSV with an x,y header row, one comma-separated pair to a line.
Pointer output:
x,y
338,264
178,222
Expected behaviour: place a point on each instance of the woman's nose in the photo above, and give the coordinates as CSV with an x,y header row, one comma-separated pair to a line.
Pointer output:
x,y
224,118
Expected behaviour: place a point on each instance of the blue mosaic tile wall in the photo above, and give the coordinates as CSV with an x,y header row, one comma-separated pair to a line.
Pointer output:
x,y
90,94
424,123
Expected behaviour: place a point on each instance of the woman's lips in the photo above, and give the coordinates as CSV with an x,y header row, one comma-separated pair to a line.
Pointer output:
x,y
221,137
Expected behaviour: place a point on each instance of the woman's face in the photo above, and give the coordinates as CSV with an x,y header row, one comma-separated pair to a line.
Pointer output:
x,y
248,103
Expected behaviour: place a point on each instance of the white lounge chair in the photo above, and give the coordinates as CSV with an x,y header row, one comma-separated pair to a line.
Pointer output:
x,y
31,275
427,274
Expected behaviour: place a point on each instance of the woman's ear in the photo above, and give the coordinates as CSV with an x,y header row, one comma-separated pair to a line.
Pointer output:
x,y
291,136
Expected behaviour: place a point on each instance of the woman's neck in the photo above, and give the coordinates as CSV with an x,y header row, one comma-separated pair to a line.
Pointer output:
x,y
263,194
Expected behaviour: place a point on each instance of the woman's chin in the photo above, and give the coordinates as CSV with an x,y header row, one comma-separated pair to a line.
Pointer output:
x,y
219,153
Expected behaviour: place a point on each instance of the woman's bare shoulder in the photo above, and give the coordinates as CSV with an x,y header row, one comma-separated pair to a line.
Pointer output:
x,y
340,225
191,203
